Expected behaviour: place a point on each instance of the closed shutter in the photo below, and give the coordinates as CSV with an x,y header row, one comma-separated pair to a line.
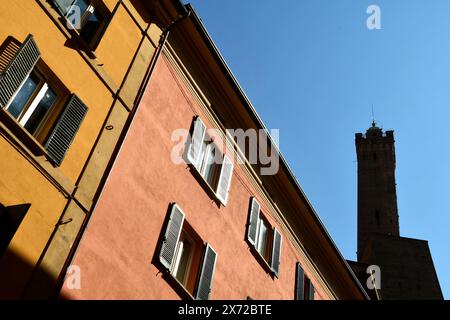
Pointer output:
x,y
18,69
223,186
171,237
206,274
252,224
300,283
65,129
311,291
276,251
195,143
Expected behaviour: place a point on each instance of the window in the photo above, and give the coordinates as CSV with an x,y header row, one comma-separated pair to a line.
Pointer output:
x,y
183,257
32,97
86,16
32,102
186,258
214,167
304,289
309,289
264,239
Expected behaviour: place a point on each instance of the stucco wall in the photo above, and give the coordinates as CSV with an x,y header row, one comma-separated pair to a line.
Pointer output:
x,y
115,255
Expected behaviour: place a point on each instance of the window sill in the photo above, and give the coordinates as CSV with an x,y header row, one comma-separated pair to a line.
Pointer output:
x,y
177,286
262,261
22,134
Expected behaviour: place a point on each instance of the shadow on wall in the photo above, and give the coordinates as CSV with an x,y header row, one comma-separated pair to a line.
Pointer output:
x,y
15,271
142,10
10,219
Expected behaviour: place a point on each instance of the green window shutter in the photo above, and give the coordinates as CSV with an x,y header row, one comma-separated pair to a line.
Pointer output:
x,y
65,130
171,236
206,274
18,69
252,224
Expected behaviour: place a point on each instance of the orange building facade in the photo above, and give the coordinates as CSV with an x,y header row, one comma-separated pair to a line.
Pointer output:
x,y
66,94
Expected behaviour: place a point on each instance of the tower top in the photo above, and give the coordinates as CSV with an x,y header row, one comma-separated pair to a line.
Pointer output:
x,y
374,133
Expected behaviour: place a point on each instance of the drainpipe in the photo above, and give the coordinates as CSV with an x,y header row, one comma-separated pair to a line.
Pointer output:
x,y
119,145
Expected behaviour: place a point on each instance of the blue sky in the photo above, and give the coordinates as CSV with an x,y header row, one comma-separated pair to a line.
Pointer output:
x,y
312,69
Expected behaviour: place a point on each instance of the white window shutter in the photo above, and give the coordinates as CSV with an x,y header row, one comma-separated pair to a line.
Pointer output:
x,y
252,224
195,144
171,236
223,186
206,274
276,252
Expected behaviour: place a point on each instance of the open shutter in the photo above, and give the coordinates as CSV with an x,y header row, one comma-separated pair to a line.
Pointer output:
x,y
300,283
18,69
195,143
311,291
65,129
276,251
171,236
223,186
206,274
252,224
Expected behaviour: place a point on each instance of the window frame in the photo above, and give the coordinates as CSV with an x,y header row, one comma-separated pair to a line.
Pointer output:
x,y
56,130
265,258
309,294
266,254
204,159
32,102
32,96
199,160
193,275
184,237
46,78
99,8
